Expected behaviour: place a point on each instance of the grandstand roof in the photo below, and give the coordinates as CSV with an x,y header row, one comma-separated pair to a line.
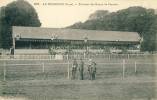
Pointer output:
x,y
74,34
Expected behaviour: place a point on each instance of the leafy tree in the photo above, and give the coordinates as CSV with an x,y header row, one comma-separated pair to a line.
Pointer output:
x,y
1,16
3,27
150,38
17,13
21,13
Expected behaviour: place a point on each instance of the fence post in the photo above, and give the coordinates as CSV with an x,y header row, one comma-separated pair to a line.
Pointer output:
x,y
84,55
109,56
50,56
4,71
78,56
123,69
128,56
68,70
66,56
43,67
135,67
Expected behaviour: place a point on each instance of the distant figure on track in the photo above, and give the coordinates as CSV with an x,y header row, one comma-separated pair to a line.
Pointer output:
x,y
81,69
74,69
92,69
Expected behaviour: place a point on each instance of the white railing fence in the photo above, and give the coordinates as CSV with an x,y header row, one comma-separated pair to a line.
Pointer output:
x,y
62,70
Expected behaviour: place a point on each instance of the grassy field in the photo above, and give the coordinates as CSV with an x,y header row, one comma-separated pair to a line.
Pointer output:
x,y
30,82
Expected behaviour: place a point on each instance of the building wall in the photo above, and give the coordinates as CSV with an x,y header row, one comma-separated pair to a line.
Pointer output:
x,y
75,46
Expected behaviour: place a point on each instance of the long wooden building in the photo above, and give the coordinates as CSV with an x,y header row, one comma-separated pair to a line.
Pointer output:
x,y
27,39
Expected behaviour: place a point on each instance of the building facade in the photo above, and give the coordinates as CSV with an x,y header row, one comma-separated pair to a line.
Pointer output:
x,y
61,39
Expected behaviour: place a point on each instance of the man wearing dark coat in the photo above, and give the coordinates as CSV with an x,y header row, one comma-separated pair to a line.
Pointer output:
x,y
92,70
81,70
74,69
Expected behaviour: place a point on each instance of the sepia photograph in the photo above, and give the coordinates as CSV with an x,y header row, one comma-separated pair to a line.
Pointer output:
x,y
78,50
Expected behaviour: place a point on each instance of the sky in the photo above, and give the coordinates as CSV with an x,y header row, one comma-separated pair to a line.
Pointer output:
x,y
62,13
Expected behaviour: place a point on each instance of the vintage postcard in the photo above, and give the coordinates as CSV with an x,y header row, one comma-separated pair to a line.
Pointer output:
x,y
78,50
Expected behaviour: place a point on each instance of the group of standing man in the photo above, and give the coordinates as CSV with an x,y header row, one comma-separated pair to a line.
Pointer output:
x,y
91,68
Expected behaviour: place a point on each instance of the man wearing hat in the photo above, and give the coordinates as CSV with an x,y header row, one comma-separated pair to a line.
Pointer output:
x,y
91,69
81,69
74,69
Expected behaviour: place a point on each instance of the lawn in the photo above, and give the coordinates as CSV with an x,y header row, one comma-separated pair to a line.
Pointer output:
x,y
28,80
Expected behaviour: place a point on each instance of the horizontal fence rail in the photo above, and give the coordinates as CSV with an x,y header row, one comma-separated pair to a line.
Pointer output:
x,y
78,56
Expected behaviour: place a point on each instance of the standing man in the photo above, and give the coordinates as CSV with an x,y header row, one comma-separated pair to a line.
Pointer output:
x,y
74,69
92,69
89,68
81,69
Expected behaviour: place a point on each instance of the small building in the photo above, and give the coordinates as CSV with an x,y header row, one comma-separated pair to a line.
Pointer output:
x,y
37,40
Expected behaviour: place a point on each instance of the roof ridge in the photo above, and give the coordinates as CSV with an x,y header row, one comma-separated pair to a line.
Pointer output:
x,y
74,29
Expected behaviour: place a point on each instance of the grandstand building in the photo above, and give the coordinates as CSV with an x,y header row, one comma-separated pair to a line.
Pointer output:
x,y
37,40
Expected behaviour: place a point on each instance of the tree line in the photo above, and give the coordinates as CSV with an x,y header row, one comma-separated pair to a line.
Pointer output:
x,y
133,19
